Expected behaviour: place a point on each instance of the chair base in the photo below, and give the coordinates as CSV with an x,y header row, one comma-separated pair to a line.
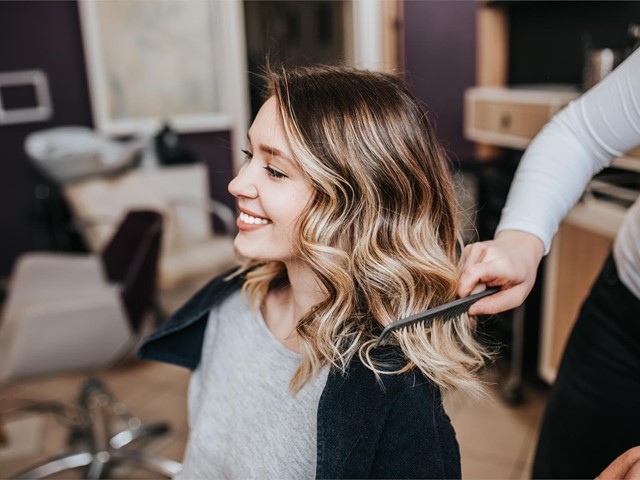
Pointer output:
x,y
94,446
99,465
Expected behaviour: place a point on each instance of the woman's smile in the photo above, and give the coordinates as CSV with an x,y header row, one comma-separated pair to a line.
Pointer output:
x,y
249,221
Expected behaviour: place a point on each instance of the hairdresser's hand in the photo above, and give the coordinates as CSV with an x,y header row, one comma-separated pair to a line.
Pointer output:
x,y
510,260
626,466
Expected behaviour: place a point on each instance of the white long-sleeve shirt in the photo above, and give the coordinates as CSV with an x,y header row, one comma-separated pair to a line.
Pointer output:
x,y
581,140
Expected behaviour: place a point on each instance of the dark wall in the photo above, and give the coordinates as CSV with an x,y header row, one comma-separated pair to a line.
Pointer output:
x,y
548,40
547,43
46,35
440,63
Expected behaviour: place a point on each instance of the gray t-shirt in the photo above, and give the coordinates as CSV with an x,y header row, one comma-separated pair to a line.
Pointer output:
x,y
244,420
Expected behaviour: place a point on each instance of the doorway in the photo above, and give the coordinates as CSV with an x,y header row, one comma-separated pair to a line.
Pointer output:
x,y
363,33
293,33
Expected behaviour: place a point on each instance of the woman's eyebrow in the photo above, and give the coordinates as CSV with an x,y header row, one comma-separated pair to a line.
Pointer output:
x,y
273,151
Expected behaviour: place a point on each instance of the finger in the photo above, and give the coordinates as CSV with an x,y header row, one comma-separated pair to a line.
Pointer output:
x,y
480,287
489,273
506,299
613,472
473,253
467,283
634,471
625,466
617,469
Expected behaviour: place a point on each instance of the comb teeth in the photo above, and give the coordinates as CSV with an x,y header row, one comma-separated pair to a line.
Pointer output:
x,y
448,311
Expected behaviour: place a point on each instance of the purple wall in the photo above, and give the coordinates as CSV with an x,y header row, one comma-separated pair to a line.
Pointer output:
x,y
46,35
440,63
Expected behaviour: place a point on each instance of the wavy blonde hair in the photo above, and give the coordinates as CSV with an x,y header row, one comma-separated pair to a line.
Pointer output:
x,y
381,231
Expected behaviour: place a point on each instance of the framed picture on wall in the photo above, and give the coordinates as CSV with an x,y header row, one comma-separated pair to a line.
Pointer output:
x,y
24,97
150,62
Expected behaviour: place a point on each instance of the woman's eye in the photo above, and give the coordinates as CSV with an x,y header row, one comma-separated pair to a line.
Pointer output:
x,y
274,173
247,154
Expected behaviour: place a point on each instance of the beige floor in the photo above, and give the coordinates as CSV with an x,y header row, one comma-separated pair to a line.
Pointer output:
x,y
496,441
152,391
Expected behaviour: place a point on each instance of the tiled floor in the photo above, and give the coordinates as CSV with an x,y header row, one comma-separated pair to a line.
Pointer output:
x,y
496,440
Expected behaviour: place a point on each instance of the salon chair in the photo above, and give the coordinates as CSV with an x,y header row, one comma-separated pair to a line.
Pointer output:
x,y
191,252
70,312
90,182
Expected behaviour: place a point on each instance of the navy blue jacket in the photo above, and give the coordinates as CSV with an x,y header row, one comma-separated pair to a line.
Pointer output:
x,y
365,430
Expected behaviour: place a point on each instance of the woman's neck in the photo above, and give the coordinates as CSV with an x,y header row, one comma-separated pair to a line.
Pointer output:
x,y
283,308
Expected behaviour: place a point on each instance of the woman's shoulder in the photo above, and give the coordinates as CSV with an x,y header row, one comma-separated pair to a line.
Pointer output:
x,y
360,389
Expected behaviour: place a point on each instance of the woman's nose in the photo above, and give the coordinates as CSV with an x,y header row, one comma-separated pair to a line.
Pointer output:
x,y
243,185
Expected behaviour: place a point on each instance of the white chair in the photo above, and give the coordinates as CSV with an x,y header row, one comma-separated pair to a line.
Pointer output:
x,y
68,312
191,251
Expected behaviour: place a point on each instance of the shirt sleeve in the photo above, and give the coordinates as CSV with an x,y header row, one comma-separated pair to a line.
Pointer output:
x,y
578,142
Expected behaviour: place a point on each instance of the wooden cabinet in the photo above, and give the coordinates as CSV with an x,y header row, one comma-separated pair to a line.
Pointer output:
x,y
579,249
510,117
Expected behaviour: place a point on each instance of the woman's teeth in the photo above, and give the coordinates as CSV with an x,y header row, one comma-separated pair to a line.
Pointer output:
x,y
252,220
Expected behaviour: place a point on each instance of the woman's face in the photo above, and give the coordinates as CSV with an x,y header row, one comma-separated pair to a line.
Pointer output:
x,y
271,191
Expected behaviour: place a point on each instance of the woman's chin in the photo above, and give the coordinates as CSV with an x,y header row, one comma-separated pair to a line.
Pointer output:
x,y
248,251
242,249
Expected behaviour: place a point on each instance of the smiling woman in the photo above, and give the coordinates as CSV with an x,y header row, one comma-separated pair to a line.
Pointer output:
x,y
347,222
271,191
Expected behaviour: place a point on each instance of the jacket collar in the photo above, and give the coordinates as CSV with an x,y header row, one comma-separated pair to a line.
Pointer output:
x,y
179,339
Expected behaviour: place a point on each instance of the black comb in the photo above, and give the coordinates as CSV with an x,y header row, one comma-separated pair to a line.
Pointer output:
x,y
448,311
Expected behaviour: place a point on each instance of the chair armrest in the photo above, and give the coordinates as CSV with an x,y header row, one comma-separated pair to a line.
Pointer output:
x,y
219,209
95,230
224,213
81,223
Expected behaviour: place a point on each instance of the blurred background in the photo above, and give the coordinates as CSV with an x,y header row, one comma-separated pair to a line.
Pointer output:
x,y
109,107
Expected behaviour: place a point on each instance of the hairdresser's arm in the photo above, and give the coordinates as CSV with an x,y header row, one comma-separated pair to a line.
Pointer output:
x,y
578,142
